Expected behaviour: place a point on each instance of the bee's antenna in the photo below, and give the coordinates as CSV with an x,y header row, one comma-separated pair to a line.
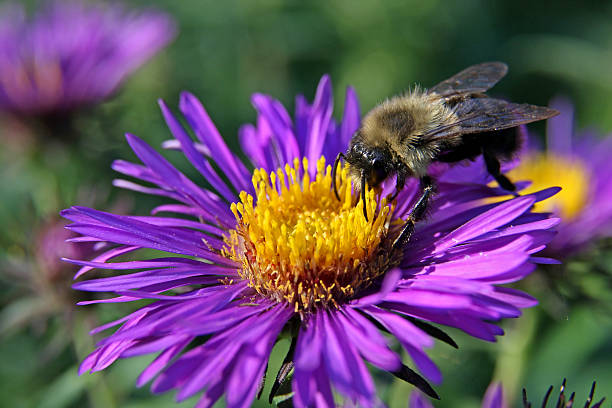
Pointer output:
x,y
334,172
363,194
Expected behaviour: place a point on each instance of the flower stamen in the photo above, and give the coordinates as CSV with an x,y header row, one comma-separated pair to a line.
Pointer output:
x,y
297,243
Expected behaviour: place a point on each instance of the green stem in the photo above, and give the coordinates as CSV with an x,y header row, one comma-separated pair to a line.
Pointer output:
x,y
513,353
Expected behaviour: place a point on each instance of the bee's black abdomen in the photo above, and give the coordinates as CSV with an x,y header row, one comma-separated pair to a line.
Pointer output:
x,y
468,149
502,144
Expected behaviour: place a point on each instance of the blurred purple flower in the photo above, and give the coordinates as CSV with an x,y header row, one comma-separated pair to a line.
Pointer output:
x,y
52,245
42,281
244,272
72,54
579,163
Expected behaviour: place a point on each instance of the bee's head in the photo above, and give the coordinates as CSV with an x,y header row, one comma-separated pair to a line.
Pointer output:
x,y
369,163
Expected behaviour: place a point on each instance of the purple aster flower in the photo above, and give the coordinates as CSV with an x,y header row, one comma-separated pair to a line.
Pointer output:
x,y
273,251
72,54
579,163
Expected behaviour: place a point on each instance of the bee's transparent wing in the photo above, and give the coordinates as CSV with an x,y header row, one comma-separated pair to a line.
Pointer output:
x,y
476,115
484,114
475,79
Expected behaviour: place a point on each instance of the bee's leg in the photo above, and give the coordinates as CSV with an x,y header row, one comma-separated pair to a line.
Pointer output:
x,y
494,169
334,172
416,214
399,186
363,195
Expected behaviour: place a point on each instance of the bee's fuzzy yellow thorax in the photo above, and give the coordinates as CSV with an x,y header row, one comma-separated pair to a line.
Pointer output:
x,y
400,123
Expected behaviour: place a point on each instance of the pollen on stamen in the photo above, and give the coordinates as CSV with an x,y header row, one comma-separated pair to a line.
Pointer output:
x,y
297,243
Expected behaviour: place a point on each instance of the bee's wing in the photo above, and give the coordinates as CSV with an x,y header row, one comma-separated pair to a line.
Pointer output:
x,y
474,79
484,114
477,115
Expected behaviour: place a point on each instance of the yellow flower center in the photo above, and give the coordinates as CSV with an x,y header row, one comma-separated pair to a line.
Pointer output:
x,y
545,170
298,243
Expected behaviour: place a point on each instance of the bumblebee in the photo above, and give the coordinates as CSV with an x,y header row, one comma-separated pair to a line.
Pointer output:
x,y
453,121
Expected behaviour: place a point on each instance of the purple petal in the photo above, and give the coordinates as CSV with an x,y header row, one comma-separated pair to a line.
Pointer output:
x,y
428,300
370,344
127,231
418,400
276,117
388,285
250,367
180,209
195,157
324,398
494,397
334,356
171,176
252,146
205,130
177,315
351,117
308,349
412,339
489,220
559,129
130,185
346,369
161,362
256,332
319,121
151,263
139,280
511,276
478,266
515,297
400,327
179,222
459,319
259,145
544,260
214,391
134,315
304,387
173,144
302,117
106,256
148,346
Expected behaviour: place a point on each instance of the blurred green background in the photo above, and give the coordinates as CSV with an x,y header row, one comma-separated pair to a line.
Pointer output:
x,y
224,52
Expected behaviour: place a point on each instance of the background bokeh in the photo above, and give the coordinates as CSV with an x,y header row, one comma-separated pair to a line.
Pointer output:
x,y
223,53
